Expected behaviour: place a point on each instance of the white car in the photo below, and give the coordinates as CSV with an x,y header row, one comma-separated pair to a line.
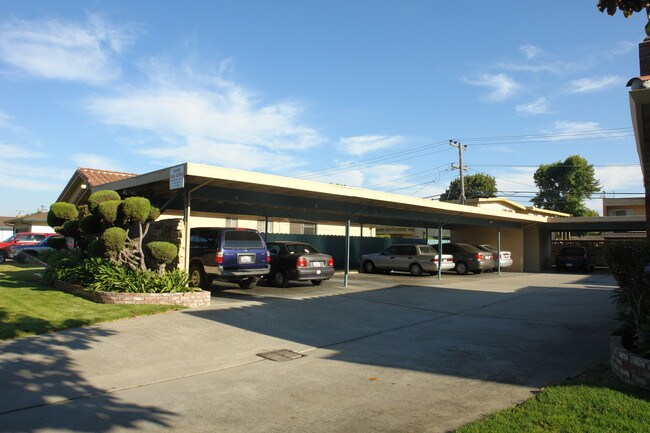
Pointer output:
x,y
416,259
505,258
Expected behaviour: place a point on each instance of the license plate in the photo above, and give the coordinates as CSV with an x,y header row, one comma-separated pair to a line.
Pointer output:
x,y
317,264
568,265
246,259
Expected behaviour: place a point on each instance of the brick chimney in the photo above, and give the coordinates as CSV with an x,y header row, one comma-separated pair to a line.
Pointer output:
x,y
644,57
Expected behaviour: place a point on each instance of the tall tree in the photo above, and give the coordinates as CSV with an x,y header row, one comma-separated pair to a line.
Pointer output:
x,y
628,7
479,185
565,185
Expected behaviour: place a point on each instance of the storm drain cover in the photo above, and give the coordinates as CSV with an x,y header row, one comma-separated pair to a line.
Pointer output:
x,y
281,355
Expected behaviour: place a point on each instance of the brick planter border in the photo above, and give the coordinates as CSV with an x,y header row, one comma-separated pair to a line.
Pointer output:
x,y
188,299
630,368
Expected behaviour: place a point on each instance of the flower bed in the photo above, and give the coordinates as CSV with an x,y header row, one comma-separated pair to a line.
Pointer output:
x,y
188,299
630,368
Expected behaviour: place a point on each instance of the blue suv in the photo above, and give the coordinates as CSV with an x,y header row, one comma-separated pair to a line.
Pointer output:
x,y
227,254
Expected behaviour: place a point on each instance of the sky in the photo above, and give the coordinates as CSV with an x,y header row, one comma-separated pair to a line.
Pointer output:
x,y
360,93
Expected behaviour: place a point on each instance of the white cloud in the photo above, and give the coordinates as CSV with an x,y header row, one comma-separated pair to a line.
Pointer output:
x,y
90,160
539,106
362,144
381,177
503,86
530,51
32,177
9,151
198,118
620,178
594,84
56,50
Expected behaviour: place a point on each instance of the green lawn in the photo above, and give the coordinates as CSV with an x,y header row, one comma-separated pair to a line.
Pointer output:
x,y
594,402
28,308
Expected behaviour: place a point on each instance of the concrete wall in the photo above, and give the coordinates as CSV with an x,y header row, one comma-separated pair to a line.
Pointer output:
x,y
537,249
511,240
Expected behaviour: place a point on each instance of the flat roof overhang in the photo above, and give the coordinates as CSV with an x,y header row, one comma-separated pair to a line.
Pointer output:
x,y
237,192
596,224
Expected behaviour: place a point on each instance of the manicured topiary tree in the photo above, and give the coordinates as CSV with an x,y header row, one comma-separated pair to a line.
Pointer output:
x,y
163,253
112,228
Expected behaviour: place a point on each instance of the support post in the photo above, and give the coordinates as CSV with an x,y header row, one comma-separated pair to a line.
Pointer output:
x,y
499,250
439,251
266,227
347,253
187,209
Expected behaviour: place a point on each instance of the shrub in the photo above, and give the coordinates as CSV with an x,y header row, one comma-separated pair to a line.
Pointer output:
x,y
114,239
108,211
627,261
99,197
102,275
163,253
61,212
136,209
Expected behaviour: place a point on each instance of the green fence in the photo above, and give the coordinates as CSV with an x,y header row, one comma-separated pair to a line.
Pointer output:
x,y
335,245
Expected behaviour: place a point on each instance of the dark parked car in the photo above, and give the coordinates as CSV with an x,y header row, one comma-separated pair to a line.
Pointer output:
x,y
28,238
298,261
415,259
468,258
227,254
573,258
23,253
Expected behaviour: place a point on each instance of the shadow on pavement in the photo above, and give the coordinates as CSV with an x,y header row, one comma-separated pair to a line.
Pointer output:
x,y
523,337
38,371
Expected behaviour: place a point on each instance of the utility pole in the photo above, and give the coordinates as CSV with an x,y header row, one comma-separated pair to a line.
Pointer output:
x,y
460,148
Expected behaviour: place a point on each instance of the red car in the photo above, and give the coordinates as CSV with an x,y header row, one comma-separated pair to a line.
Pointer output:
x,y
21,239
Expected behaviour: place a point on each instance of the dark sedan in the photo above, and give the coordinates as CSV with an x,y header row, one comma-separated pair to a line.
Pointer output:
x,y
298,261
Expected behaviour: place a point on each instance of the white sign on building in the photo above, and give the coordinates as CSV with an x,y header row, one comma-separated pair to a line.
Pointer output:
x,y
177,177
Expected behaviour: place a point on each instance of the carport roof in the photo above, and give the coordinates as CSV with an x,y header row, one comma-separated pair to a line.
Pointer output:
x,y
229,191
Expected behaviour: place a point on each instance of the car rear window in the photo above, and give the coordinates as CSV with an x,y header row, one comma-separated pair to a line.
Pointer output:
x,y
572,252
301,249
242,239
427,250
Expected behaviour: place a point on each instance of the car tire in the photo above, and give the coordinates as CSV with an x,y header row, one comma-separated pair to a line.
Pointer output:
x,y
416,270
3,257
462,268
248,283
280,279
317,282
386,271
22,258
478,271
369,267
197,277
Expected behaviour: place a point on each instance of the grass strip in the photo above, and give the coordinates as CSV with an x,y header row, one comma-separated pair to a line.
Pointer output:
x,y
28,308
593,402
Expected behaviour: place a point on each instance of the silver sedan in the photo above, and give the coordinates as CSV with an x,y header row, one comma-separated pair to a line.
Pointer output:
x,y
416,259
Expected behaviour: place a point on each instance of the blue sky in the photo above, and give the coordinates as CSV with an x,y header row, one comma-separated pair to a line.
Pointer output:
x,y
362,93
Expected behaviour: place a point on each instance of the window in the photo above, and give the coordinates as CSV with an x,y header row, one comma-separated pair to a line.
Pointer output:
x,y
302,228
621,212
274,250
301,249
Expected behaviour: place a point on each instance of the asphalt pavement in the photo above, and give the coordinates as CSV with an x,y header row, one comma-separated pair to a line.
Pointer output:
x,y
390,353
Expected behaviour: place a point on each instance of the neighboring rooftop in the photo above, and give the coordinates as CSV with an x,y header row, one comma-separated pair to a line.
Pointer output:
x,y
85,179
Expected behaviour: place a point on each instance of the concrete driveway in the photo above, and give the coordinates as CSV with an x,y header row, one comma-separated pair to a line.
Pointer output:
x,y
388,354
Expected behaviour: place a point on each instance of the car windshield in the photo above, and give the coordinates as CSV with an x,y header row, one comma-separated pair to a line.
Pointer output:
x,y
10,238
301,249
242,239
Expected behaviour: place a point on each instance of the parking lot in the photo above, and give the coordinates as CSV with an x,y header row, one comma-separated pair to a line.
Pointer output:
x,y
389,353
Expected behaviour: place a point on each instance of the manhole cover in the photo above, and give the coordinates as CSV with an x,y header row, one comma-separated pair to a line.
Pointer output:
x,y
281,355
